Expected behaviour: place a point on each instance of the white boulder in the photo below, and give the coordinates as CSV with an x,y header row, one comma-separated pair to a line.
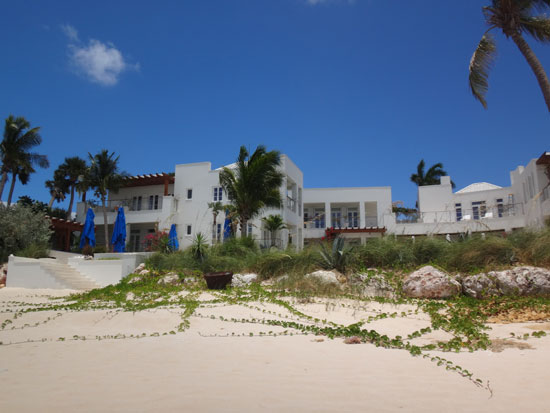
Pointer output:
x,y
480,286
170,278
329,277
429,282
241,280
526,281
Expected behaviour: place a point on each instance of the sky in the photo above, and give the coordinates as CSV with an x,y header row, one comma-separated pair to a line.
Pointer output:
x,y
355,92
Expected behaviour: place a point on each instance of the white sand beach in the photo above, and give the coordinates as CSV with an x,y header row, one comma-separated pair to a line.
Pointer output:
x,y
217,366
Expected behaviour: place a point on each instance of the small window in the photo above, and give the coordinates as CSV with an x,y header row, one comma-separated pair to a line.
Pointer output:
x,y
139,203
478,209
151,200
218,194
249,229
189,193
500,207
156,203
458,209
188,230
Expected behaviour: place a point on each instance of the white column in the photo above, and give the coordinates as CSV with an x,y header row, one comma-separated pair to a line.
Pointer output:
x,y
328,217
362,218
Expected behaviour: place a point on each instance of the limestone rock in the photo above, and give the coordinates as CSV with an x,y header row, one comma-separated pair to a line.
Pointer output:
x,y
144,272
140,267
373,284
170,278
329,277
134,280
480,286
525,281
429,282
130,296
241,280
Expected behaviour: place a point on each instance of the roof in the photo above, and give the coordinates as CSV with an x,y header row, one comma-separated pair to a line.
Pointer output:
x,y
148,179
230,166
478,186
544,159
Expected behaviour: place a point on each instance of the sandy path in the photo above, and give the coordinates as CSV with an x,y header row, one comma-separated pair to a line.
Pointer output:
x,y
190,372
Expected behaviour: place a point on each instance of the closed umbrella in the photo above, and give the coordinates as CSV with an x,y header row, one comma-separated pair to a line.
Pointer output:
x,y
88,232
173,238
119,232
227,226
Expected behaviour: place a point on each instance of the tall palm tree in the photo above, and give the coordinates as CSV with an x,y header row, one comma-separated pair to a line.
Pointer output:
x,y
15,156
513,18
105,176
253,184
431,177
273,223
57,187
216,208
22,171
73,170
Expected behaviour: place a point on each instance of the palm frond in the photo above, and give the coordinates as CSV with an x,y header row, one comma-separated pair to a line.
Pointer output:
x,y
538,27
481,62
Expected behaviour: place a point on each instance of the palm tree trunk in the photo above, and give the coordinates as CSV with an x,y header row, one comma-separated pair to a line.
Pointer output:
x,y
3,183
244,227
215,232
12,186
105,223
51,201
70,209
535,64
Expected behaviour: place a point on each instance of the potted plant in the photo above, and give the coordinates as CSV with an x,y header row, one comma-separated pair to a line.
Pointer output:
x,y
218,280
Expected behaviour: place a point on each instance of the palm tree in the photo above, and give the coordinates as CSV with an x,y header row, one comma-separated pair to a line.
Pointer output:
x,y
513,18
253,184
431,177
73,170
273,223
104,176
57,187
15,154
216,208
22,171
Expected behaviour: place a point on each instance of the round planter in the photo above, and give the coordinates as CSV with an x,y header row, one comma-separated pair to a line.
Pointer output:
x,y
218,280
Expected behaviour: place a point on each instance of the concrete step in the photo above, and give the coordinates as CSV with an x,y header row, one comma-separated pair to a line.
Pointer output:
x,y
68,276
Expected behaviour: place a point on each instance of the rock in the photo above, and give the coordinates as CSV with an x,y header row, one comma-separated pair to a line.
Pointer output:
x,y
372,284
329,277
526,281
170,278
353,340
140,267
241,280
480,286
144,272
3,273
429,282
135,280
130,296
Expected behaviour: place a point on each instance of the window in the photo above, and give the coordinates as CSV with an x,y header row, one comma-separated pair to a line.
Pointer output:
x,y
306,218
458,210
299,202
188,230
151,200
156,203
319,217
478,209
336,216
189,193
218,194
500,207
139,203
353,218
249,231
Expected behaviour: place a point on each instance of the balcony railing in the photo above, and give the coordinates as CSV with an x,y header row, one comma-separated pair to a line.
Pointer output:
x,y
131,204
291,204
463,214
346,223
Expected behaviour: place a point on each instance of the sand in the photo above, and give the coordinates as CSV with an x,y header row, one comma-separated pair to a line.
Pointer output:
x,y
205,368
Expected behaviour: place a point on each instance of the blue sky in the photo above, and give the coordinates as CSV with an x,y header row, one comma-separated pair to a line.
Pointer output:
x,y
355,92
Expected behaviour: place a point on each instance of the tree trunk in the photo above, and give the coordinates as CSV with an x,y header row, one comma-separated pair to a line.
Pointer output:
x,y
536,66
83,199
105,223
3,183
70,209
215,232
12,186
273,233
244,227
51,201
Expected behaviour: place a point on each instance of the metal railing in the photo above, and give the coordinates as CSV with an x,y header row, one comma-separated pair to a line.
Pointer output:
x,y
346,223
480,212
131,204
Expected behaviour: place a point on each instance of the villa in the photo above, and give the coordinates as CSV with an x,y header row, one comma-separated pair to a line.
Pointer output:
x,y
156,201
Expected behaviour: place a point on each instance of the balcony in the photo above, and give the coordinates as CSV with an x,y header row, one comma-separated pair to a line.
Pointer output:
x,y
478,213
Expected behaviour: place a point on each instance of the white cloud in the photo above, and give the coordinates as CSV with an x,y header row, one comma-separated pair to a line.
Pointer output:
x,y
70,32
99,62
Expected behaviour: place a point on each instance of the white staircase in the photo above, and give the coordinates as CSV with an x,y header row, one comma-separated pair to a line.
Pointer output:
x,y
68,276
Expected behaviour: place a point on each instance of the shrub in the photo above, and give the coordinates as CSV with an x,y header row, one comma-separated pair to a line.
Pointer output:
x,y
532,247
477,254
158,241
277,263
20,228
33,251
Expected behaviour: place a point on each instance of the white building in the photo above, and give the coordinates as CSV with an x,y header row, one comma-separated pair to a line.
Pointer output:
x,y
155,202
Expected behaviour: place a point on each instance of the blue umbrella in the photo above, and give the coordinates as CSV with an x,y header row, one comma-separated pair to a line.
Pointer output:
x,y
88,232
119,232
227,230
173,238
